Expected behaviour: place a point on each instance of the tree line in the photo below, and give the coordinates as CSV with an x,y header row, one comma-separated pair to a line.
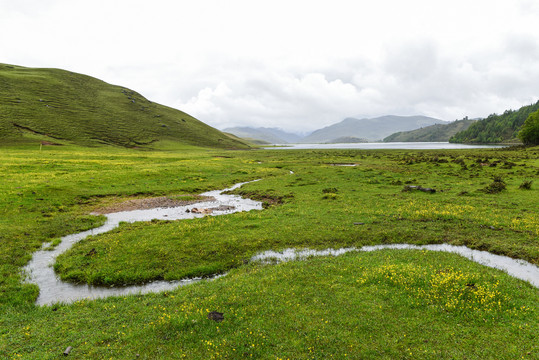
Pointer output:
x,y
503,128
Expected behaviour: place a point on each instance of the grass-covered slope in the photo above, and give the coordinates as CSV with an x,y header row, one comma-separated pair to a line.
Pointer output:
x,y
496,128
59,106
436,132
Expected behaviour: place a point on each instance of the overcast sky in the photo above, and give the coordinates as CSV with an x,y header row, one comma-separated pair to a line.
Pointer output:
x,y
296,65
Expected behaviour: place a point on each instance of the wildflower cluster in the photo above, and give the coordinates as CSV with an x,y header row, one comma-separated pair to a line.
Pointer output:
x,y
447,289
421,210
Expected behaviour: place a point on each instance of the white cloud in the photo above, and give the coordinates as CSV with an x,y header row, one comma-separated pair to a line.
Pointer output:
x,y
298,65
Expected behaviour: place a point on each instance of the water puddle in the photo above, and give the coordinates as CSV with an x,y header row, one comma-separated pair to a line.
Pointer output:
x,y
344,164
52,289
519,269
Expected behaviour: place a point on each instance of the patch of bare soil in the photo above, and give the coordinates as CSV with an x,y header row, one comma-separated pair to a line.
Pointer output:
x,y
150,203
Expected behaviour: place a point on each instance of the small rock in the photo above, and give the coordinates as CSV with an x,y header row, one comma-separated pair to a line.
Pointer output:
x,y
419,188
68,350
201,211
216,316
91,252
223,208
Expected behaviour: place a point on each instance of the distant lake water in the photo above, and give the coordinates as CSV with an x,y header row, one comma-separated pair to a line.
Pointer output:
x,y
389,145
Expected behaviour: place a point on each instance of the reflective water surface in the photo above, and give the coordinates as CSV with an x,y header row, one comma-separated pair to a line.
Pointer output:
x,y
519,269
382,145
52,289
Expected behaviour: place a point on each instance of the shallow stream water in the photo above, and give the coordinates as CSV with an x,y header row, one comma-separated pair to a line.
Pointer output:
x,y
52,289
519,269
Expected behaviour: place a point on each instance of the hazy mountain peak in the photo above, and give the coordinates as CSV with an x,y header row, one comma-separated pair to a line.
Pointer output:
x,y
270,135
373,129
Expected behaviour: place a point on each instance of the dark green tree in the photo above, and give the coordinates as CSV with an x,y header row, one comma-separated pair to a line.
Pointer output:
x,y
529,134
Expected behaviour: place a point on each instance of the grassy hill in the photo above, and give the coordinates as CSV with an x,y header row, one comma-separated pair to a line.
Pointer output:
x,y
436,132
59,106
496,128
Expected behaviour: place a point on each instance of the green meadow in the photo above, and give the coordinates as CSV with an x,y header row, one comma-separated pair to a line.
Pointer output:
x,y
389,304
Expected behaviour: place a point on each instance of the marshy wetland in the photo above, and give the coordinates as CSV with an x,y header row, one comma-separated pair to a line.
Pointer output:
x,y
383,304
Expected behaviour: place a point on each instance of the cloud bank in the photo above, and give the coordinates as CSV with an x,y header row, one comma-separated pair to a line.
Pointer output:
x,y
297,65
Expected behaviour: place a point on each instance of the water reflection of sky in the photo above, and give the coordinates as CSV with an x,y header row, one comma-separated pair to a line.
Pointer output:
x,y
381,145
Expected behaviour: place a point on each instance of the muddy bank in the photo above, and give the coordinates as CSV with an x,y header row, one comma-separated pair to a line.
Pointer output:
x,y
150,203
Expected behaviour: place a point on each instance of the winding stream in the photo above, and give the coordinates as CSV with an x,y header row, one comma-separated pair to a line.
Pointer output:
x,y
519,269
52,289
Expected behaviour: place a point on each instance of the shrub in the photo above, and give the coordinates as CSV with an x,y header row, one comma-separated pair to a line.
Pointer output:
x,y
498,185
330,190
526,185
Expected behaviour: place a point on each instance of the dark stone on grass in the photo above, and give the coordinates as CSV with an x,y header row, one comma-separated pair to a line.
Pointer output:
x,y
359,223
223,208
491,227
418,188
216,316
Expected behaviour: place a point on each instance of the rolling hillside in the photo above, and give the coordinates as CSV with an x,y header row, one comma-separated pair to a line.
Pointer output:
x,y
434,133
496,128
58,106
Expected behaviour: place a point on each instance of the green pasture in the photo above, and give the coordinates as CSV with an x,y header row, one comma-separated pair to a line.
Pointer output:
x,y
386,304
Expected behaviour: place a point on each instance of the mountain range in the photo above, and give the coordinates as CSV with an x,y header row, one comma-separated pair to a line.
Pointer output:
x,y
54,106
350,130
263,134
372,129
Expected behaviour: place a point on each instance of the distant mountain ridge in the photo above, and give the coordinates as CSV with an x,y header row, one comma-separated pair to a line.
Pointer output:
x,y
372,129
270,135
432,133
59,106
348,140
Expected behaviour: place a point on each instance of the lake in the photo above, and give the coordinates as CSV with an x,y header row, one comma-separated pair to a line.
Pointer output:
x,y
380,145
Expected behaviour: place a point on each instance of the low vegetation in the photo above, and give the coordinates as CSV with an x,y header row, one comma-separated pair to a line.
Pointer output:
x,y
386,304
